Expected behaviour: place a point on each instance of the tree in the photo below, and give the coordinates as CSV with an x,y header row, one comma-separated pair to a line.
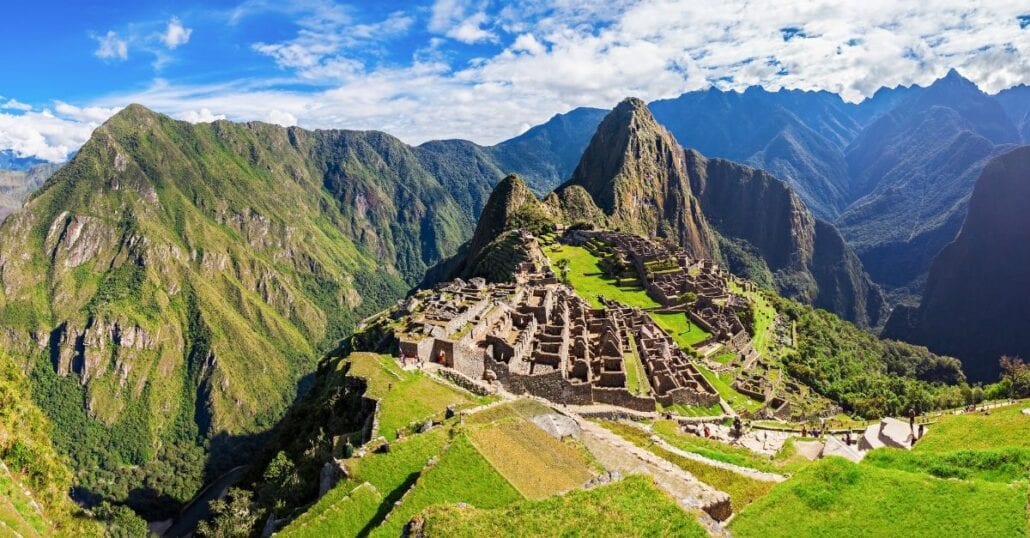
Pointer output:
x,y
232,517
121,521
563,269
1018,374
281,486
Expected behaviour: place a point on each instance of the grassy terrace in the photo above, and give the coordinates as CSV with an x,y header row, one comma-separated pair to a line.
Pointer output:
x,y
785,461
535,463
636,376
347,509
631,507
405,397
1003,427
735,399
461,475
834,497
742,490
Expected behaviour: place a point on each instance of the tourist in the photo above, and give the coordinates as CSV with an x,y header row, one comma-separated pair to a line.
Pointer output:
x,y
804,431
708,432
921,430
912,417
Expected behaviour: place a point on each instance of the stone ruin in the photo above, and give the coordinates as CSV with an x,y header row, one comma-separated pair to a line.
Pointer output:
x,y
537,336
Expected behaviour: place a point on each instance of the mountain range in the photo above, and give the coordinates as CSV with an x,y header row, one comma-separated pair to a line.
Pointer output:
x,y
634,176
975,306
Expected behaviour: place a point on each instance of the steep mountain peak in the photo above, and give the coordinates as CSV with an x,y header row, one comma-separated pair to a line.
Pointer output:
x,y
634,171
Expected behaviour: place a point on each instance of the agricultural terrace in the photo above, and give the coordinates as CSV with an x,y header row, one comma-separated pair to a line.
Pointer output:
x,y
405,397
1001,427
742,490
535,463
631,507
834,497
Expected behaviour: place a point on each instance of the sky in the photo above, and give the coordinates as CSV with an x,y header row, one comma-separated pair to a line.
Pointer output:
x,y
482,70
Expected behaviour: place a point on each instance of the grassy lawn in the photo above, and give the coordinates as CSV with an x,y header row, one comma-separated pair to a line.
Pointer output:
x,y
636,376
462,475
685,332
348,516
742,490
390,475
785,461
834,497
631,507
693,410
404,397
735,399
537,464
725,357
589,281
998,465
1004,427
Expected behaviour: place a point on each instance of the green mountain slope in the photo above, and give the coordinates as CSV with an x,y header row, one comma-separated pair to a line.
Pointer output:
x,y
171,286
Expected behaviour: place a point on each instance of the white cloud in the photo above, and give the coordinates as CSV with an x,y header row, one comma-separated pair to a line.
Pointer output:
x,y
14,104
176,34
471,30
327,43
460,20
203,115
560,54
111,47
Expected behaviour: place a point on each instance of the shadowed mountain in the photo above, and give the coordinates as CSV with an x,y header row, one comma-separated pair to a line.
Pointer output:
x,y
977,298
912,171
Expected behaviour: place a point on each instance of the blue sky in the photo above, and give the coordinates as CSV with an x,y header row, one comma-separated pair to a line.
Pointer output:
x,y
478,69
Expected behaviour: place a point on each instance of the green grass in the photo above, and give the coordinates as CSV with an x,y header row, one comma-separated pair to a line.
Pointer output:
x,y
461,475
348,516
736,400
693,410
1004,427
631,507
390,474
834,497
537,464
404,397
724,358
686,333
742,490
589,281
636,376
785,461
586,276
999,465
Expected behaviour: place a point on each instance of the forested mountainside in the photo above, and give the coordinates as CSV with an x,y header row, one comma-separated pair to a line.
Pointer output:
x,y
975,306
170,287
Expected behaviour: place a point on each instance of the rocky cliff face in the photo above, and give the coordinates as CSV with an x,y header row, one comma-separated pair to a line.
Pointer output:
x,y
976,302
638,178
807,258
634,171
